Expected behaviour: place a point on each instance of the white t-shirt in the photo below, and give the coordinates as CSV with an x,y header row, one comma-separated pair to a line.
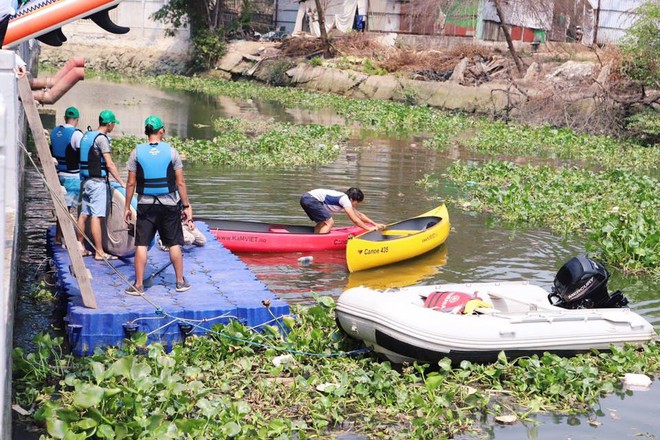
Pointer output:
x,y
75,137
334,201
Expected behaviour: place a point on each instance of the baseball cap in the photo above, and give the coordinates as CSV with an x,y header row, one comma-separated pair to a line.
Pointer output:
x,y
154,121
107,117
71,113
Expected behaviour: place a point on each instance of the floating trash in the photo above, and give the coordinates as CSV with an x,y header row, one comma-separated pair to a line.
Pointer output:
x,y
285,359
327,387
636,382
306,260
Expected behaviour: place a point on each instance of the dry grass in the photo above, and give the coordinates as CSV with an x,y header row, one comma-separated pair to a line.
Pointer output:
x,y
391,59
359,44
306,47
612,55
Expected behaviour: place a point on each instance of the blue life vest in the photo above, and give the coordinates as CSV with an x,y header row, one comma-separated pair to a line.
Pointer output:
x,y
155,170
92,162
60,147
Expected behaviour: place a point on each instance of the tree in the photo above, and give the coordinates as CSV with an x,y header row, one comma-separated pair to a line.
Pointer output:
x,y
205,19
507,36
325,41
641,47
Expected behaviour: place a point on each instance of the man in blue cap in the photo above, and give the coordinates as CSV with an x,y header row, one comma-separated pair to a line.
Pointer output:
x,y
95,165
155,172
65,148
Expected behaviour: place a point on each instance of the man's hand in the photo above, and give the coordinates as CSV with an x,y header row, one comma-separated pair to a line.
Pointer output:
x,y
187,215
128,215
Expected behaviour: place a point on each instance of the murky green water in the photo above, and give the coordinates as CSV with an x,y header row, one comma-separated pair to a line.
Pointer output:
x,y
387,169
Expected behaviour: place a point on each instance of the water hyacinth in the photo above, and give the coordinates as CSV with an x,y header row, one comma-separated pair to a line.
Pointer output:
x,y
226,385
619,211
498,138
269,144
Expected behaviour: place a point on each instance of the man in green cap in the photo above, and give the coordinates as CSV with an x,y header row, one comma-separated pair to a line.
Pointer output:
x,y
95,164
65,148
155,172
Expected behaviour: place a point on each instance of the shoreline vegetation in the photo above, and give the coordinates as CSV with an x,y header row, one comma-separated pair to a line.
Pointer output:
x,y
295,380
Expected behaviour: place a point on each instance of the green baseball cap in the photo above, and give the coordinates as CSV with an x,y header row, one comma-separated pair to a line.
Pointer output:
x,y
107,117
154,121
71,113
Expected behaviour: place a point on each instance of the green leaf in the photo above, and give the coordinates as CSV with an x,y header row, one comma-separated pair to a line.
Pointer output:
x,y
98,370
88,395
121,367
56,428
433,382
327,301
86,423
105,431
231,429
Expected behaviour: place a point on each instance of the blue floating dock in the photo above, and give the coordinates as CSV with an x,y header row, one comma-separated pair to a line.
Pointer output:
x,y
223,288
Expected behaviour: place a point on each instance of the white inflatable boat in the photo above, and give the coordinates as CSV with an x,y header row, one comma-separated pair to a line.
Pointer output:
x,y
516,318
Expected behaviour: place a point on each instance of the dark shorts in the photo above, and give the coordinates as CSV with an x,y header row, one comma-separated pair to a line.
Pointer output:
x,y
164,219
315,210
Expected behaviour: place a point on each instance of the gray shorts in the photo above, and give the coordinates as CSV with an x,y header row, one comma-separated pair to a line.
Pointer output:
x,y
94,198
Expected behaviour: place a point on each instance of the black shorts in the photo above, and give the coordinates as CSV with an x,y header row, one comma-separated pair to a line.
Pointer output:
x,y
156,217
315,210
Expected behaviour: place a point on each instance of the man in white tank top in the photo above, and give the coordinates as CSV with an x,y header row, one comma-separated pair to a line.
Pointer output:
x,y
320,204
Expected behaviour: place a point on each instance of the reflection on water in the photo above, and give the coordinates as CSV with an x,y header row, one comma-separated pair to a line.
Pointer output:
x,y
420,270
622,415
386,169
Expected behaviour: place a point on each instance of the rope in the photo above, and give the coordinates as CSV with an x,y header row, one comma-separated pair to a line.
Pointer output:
x,y
281,349
75,224
191,322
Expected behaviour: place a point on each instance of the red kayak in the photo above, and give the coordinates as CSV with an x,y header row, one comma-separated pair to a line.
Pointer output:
x,y
246,236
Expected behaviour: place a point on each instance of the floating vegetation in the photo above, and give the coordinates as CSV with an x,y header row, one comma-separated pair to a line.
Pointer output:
x,y
485,136
498,138
235,383
618,210
246,144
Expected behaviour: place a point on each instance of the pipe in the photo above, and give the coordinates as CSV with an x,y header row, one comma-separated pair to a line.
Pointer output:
x,y
48,82
50,96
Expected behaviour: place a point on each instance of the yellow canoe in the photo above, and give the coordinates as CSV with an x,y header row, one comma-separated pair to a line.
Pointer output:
x,y
398,241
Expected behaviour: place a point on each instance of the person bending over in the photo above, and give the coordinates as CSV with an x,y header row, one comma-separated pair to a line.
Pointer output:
x,y
320,204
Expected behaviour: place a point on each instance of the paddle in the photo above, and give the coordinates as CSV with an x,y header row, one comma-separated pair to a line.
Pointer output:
x,y
400,231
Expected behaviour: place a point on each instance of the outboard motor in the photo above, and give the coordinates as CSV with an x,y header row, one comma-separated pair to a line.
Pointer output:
x,y
581,283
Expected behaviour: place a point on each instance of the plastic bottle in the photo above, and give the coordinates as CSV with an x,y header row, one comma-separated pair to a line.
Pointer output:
x,y
306,260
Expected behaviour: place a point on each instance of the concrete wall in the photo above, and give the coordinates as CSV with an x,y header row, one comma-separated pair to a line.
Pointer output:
x,y
11,176
145,33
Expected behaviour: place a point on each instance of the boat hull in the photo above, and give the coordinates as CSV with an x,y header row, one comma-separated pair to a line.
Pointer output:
x,y
246,236
38,17
396,324
379,248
